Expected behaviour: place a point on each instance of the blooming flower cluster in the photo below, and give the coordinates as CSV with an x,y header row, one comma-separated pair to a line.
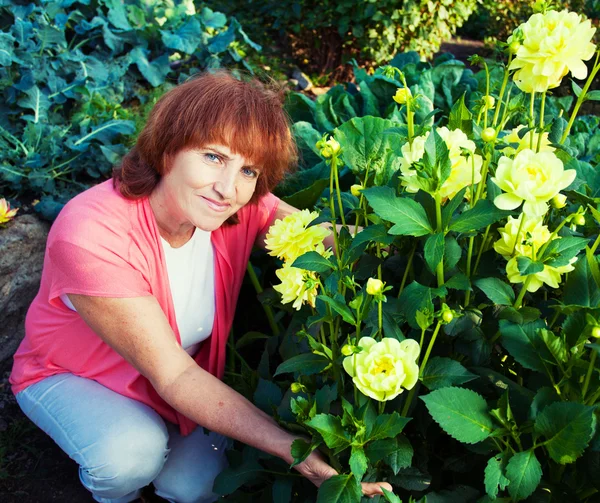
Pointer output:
x,y
466,169
288,239
382,370
529,140
552,44
6,213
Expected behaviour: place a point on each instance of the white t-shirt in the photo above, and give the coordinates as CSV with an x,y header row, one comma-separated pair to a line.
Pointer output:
x,y
192,280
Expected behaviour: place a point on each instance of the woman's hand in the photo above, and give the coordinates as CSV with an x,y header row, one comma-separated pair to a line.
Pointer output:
x,y
316,469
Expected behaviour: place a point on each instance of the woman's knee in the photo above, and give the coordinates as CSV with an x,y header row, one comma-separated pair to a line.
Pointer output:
x,y
126,461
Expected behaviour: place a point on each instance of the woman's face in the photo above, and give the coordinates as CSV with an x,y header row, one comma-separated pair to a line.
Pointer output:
x,y
205,186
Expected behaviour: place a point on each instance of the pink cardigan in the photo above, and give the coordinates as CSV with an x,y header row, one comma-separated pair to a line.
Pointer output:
x,y
104,245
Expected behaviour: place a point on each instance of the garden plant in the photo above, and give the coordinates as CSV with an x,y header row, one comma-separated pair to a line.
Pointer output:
x,y
447,344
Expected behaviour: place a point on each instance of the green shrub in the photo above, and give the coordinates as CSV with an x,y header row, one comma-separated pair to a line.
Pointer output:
x,y
78,76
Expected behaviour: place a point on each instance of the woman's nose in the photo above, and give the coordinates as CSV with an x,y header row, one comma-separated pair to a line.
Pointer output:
x,y
225,185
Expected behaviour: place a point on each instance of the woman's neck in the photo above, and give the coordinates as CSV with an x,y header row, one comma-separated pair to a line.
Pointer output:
x,y
172,229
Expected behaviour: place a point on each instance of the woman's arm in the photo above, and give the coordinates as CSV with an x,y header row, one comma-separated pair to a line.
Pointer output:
x,y
138,330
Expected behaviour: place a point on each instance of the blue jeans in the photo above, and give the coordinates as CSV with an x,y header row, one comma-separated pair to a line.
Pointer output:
x,y
122,445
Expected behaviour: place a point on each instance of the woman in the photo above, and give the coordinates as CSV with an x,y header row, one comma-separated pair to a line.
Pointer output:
x,y
125,341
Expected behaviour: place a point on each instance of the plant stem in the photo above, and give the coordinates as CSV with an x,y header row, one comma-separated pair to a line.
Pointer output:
x,y
581,98
487,93
518,233
430,347
588,376
439,229
408,265
484,240
531,119
469,255
595,245
409,113
518,303
332,209
334,169
484,173
259,290
409,400
541,134
502,89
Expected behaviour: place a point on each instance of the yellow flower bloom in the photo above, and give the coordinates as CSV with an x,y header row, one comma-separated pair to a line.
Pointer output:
x,y
402,94
374,286
553,44
533,233
525,142
383,370
531,177
550,275
297,286
461,174
6,214
289,238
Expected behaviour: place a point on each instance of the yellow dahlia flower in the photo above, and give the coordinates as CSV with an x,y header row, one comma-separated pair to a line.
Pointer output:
x,y
383,370
550,275
525,142
533,233
461,175
374,286
531,177
6,214
553,44
402,94
289,238
297,286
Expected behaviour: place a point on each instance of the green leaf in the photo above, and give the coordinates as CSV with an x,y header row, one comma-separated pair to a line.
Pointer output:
x,y
267,395
312,261
231,479
458,282
416,297
576,89
568,428
524,344
408,216
300,450
411,479
592,261
460,117
555,346
186,39
484,213
307,363
461,413
396,452
358,462
528,266
340,489
524,472
580,287
248,338
36,101
331,429
436,162
386,426
565,249
494,476
282,490
496,290
342,309
592,96
442,372
434,250
154,72
308,197
390,496
451,206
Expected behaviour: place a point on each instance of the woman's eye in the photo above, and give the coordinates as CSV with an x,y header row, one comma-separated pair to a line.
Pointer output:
x,y
250,172
212,157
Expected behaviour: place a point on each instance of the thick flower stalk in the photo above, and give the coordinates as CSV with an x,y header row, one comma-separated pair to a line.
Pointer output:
x,y
6,213
533,178
297,286
291,237
382,370
530,138
552,45
465,170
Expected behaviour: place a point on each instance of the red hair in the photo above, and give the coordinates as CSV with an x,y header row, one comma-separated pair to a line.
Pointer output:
x,y
213,108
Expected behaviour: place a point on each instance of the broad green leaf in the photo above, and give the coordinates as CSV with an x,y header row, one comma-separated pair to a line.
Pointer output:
x,y
340,489
565,249
408,216
544,397
528,266
461,413
496,290
524,472
249,337
186,39
592,261
494,477
307,363
342,309
580,288
458,282
230,479
396,452
154,72
358,462
312,261
568,428
460,117
555,345
267,395
308,197
390,496
451,206
386,426
301,450
331,429
411,479
524,344
436,162
484,213
442,372
416,297
372,234
434,250
282,490
36,101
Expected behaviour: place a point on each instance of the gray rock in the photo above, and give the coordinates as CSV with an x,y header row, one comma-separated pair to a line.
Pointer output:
x,y
22,245
304,83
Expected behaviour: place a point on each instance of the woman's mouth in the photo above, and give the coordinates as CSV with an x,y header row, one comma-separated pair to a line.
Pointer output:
x,y
216,206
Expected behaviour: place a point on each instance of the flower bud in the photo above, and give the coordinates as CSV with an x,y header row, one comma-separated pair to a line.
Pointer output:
x,y
488,134
514,47
330,148
296,387
355,190
559,201
347,349
596,332
489,102
402,94
579,219
447,316
374,286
